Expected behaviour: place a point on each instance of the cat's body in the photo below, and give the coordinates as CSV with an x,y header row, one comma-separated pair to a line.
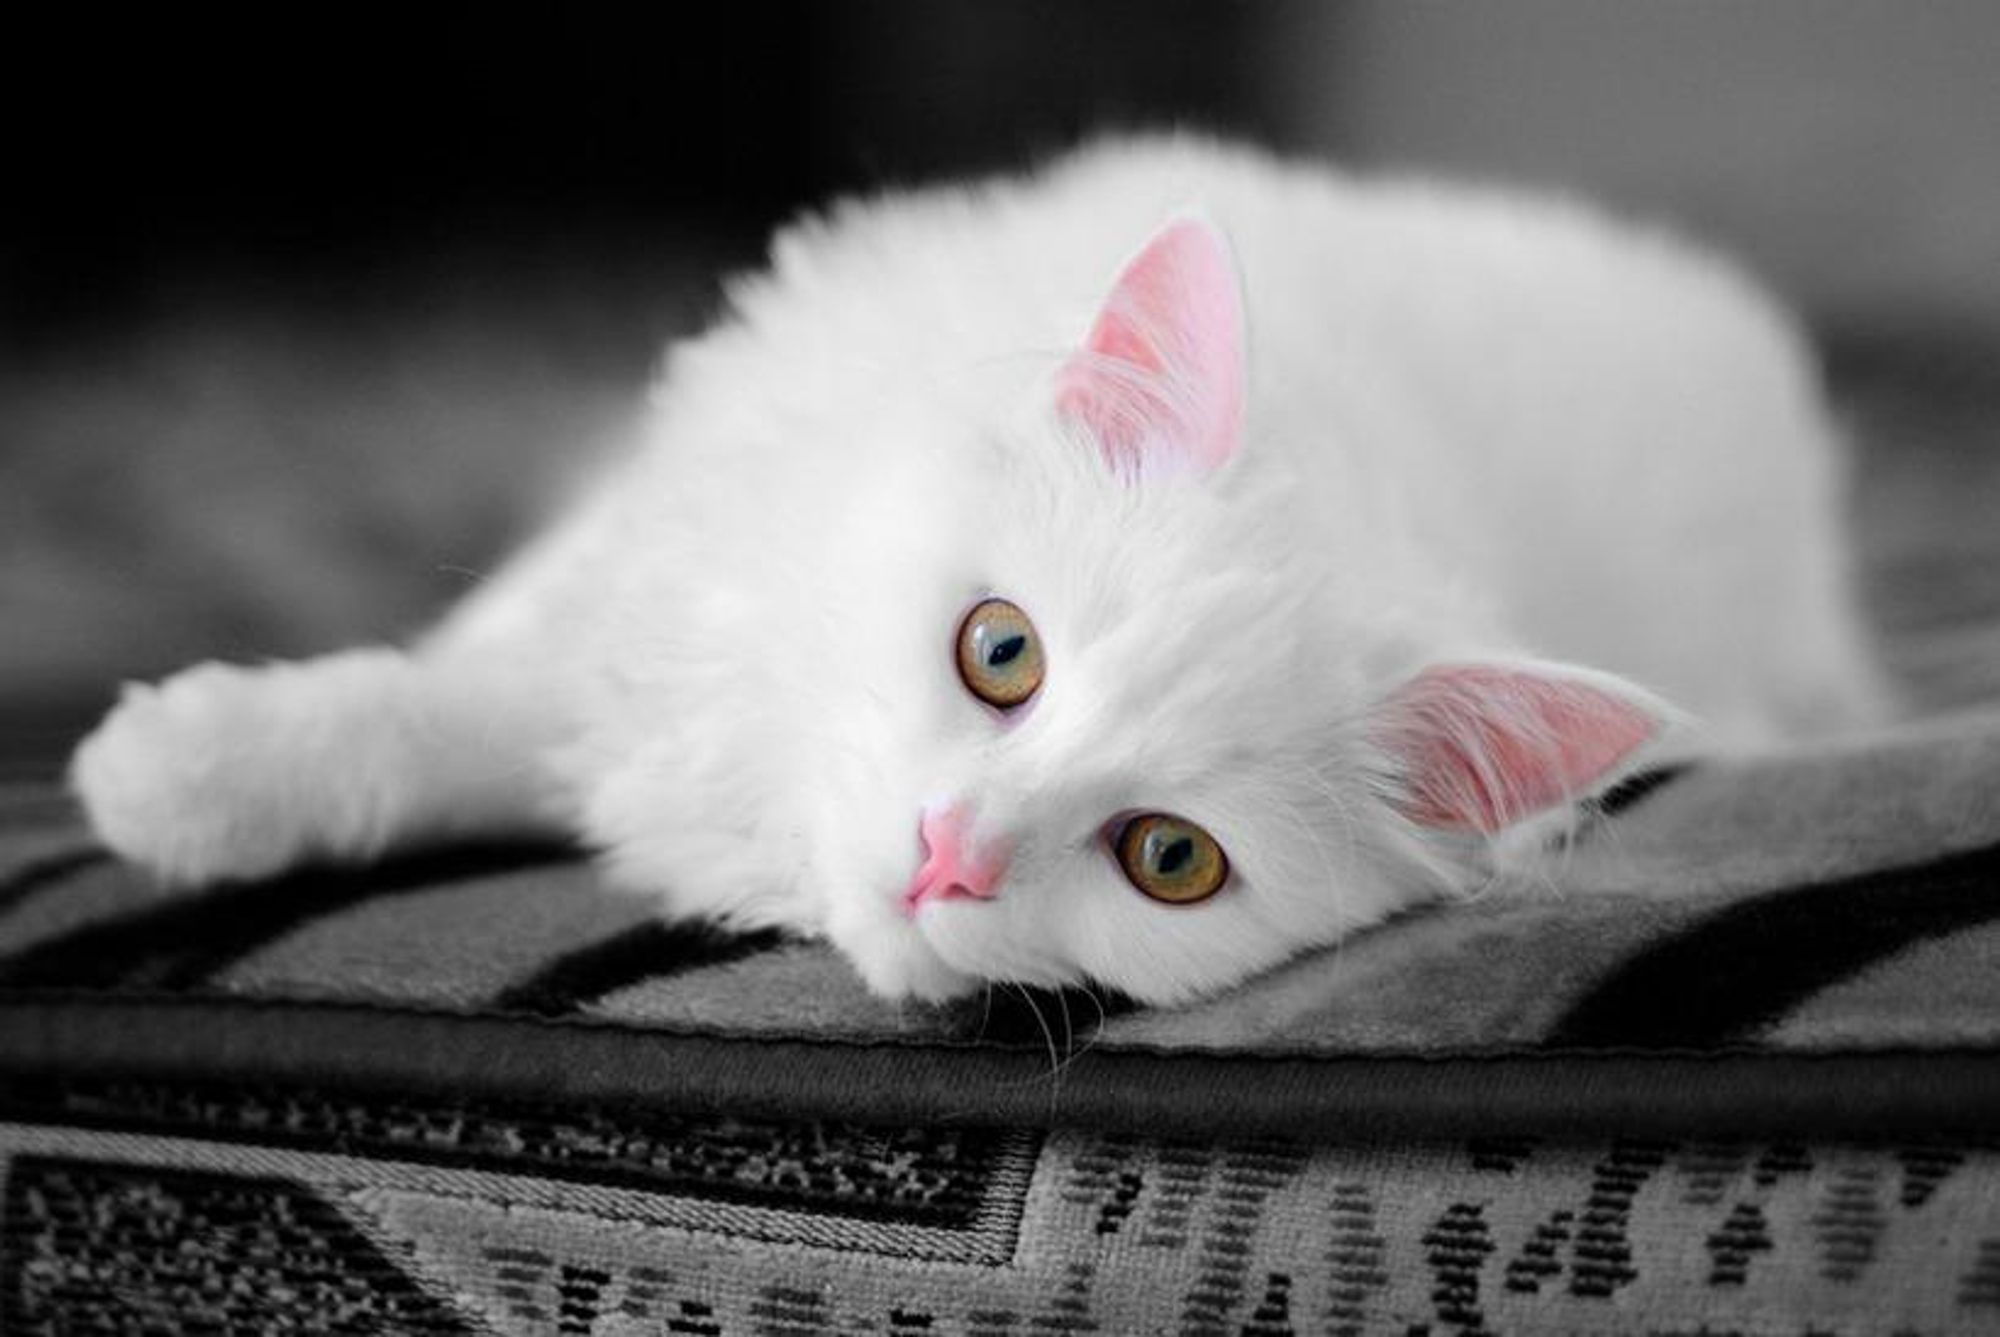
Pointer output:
x,y
1297,568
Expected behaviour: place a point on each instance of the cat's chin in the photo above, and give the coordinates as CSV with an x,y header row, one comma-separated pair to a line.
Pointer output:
x,y
913,971
896,962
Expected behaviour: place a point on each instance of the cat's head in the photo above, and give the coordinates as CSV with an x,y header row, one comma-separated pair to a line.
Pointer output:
x,y
1086,697
1166,739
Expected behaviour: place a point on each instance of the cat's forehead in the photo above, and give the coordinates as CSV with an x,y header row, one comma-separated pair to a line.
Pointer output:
x,y
1188,676
1176,587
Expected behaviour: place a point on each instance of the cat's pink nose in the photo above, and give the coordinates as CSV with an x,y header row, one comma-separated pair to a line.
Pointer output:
x,y
952,869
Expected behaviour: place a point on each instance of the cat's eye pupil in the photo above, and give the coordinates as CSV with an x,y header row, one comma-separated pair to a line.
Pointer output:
x,y
1169,858
999,655
1175,856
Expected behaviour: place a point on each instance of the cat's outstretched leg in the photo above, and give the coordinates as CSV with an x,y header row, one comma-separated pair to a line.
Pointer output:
x,y
224,771
237,772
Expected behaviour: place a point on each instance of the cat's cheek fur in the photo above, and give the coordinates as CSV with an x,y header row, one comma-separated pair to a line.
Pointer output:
x,y
1302,894
1069,917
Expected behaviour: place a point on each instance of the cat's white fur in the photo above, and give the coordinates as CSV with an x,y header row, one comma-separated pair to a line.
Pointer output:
x,y
1479,427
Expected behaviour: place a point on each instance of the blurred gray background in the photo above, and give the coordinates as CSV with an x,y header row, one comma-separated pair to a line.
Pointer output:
x,y
303,320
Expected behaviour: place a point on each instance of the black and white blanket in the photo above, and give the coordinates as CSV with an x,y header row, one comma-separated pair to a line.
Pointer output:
x,y
1736,1068
1810,910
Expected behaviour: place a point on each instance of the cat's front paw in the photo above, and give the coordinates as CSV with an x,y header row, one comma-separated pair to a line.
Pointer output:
x,y
180,778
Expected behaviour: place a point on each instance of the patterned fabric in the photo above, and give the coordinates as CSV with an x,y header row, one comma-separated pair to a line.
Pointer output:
x,y
133,1206
1733,1070
1811,902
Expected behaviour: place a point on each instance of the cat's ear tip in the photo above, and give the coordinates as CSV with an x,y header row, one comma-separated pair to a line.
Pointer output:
x,y
1160,375
1479,745
1196,220
1191,227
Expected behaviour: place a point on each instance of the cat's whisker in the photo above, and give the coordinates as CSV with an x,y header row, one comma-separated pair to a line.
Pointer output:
x,y
1080,1042
1336,800
1288,807
1048,1035
1072,1049
1346,824
1090,1038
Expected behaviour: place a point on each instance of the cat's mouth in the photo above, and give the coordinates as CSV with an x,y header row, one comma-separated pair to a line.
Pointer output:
x,y
927,889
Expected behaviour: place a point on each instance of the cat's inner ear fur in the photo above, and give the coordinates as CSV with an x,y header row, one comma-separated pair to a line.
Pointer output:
x,y
1159,380
1480,747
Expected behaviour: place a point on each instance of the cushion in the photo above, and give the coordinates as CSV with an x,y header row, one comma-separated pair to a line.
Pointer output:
x,y
1735,1067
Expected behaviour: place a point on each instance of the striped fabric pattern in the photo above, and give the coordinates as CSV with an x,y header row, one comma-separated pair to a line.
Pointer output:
x,y
1845,899
1735,1069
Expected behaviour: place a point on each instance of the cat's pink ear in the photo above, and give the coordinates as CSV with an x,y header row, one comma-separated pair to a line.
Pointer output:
x,y
1479,746
1159,380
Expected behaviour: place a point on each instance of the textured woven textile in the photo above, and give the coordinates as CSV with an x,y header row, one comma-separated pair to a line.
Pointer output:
x,y
229,1209
1835,900
1733,1070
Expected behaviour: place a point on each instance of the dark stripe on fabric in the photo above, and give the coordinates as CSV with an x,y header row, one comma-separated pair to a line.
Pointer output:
x,y
1065,1021
1752,963
653,950
1635,789
940,1178
934,1084
175,1250
34,874
181,941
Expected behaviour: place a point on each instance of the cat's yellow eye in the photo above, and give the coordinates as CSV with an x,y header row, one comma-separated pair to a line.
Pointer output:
x,y
999,654
1170,859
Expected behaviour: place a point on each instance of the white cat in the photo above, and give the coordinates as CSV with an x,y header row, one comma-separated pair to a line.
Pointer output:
x,y
1137,572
